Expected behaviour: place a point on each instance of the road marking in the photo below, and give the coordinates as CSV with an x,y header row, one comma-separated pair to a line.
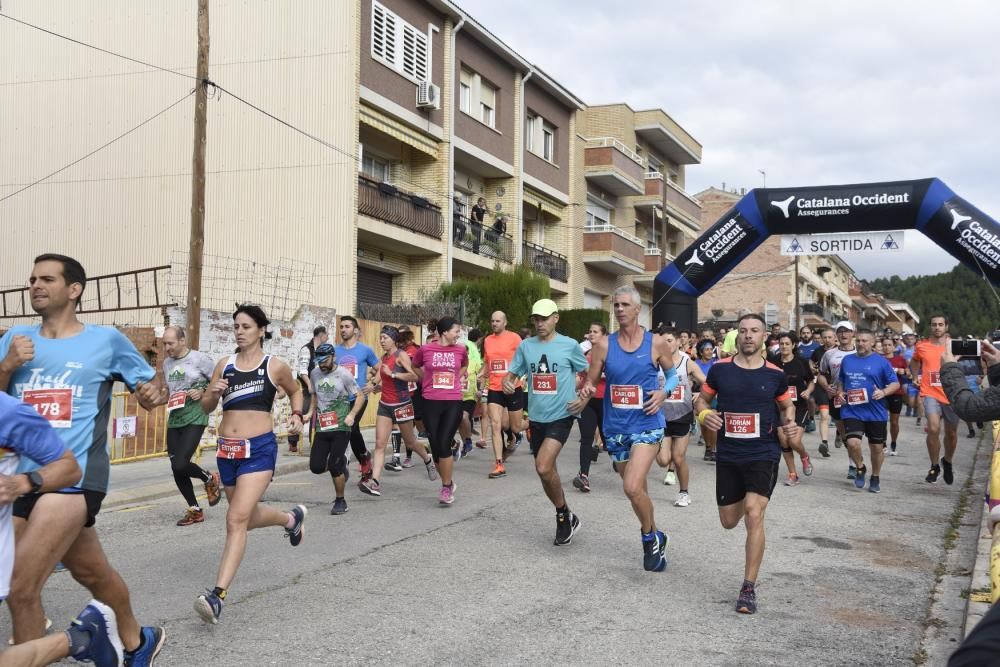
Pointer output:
x,y
134,509
290,483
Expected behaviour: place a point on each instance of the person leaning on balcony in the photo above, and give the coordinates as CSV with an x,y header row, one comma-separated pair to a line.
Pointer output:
x,y
476,217
459,220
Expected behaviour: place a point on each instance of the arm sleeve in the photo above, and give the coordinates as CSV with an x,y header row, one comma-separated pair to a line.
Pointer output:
x,y
985,406
127,364
670,380
27,433
519,365
372,360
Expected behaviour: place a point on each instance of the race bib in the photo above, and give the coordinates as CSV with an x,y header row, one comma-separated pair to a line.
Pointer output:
x,y
742,424
857,396
677,395
232,448
411,386
626,396
56,405
543,383
443,380
351,367
498,366
935,378
837,403
328,421
404,413
176,400
464,383
793,393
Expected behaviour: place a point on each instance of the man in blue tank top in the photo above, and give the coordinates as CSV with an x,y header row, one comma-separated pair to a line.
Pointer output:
x,y
753,403
630,359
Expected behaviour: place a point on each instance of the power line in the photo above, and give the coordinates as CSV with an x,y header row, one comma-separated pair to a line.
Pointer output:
x,y
98,149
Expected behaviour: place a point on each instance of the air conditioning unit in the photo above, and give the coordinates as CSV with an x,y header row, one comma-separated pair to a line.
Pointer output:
x,y
428,95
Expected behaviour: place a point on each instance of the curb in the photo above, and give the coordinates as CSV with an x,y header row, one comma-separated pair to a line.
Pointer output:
x,y
980,576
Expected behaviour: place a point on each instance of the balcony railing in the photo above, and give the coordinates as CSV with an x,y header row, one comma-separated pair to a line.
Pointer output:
x,y
611,142
483,241
608,238
683,201
545,261
385,202
819,311
654,260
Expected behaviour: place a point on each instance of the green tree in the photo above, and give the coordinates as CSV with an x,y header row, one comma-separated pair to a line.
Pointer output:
x,y
513,292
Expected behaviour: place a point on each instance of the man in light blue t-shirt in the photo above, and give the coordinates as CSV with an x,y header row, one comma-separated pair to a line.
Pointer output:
x,y
551,362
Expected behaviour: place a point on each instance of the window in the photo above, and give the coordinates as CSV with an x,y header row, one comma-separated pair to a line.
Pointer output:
x,y
540,137
477,97
653,166
487,103
548,142
399,45
375,168
598,217
529,131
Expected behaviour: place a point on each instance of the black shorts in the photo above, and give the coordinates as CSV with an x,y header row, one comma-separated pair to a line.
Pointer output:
x,y
401,413
834,412
733,481
511,402
821,398
874,431
894,403
678,428
801,412
557,430
417,398
25,504
469,407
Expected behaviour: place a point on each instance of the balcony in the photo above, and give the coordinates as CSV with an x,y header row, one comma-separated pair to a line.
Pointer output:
x,y
383,201
685,207
482,241
655,261
545,261
614,167
667,136
613,250
819,312
655,190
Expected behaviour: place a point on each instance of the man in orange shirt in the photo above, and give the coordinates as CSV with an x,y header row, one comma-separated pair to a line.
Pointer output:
x,y
926,370
498,352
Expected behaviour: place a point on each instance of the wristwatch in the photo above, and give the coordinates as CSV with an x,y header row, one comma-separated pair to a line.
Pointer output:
x,y
35,480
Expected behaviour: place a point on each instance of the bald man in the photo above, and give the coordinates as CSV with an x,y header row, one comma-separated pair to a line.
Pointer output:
x,y
505,410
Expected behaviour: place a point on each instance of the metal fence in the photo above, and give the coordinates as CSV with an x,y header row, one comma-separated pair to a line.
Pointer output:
x,y
482,241
135,434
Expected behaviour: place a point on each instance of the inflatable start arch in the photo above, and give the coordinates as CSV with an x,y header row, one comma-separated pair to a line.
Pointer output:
x,y
927,205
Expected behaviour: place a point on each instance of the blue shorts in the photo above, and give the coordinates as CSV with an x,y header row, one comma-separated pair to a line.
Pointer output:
x,y
263,456
620,445
912,389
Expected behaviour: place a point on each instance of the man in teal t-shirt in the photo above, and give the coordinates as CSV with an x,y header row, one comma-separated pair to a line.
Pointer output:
x,y
551,362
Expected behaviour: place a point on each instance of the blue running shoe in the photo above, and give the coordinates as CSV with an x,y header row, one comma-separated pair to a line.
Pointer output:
x,y
466,447
859,480
209,607
852,472
295,533
873,484
152,641
93,636
747,602
654,549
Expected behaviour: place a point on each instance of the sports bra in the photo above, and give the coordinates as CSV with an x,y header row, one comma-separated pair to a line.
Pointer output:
x,y
248,390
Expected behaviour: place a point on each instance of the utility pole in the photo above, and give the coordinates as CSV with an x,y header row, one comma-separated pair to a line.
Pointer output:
x,y
196,247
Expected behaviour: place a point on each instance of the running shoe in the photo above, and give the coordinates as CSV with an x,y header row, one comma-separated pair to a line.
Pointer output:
x,y
151,641
370,486
747,602
671,478
339,507
793,479
293,449
480,444
93,636
932,474
191,516
213,489
567,524
683,499
708,455
892,449
209,607
366,466
852,472
824,450
466,448
654,551
873,484
447,495
971,433
807,466
393,465
498,471
296,532
582,482
408,462
432,471
859,480
423,435
948,473
711,455
918,421
456,450
837,442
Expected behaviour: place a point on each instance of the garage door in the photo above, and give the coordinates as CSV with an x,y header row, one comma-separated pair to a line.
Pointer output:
x,y
374,286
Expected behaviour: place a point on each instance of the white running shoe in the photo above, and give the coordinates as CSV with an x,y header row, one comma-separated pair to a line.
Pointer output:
x,y
670,479
683,499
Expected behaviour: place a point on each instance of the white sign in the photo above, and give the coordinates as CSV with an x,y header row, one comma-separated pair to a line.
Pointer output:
x,y
841,244
125,427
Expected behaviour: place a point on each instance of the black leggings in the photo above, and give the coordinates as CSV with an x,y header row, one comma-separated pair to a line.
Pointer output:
x,y
441,418
182,441
358,445
591,421
327,453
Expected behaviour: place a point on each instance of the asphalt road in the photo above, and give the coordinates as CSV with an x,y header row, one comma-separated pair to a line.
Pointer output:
x,y
845,580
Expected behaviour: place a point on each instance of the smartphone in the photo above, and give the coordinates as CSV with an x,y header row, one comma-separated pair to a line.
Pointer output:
x,y
966,348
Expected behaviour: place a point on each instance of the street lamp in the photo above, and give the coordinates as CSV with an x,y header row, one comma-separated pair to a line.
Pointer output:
x,y
764,174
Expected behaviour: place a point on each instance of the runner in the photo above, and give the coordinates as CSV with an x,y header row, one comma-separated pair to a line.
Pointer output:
x,y
913,403
470,391
551,361
358,359
706,359
65,369
592,416
332,416
805,349
926,370
246,383
187,373
864,380
630,359
441,367
305,364
894,401
800,387
676,411
392,375
829,368
499,348
407,344
828,341
754,404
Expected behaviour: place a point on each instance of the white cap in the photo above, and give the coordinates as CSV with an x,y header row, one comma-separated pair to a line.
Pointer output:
x,y
844,324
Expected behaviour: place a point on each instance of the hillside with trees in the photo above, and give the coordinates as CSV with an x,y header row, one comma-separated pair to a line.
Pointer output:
x,y
964,297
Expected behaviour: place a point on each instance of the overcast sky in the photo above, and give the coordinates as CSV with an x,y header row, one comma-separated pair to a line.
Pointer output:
x,y
813,93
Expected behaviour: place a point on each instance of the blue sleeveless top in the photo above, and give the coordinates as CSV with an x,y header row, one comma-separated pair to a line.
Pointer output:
x,y
251,390
631,376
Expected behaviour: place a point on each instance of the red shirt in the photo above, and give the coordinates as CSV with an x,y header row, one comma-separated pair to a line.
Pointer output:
x,y
898,361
